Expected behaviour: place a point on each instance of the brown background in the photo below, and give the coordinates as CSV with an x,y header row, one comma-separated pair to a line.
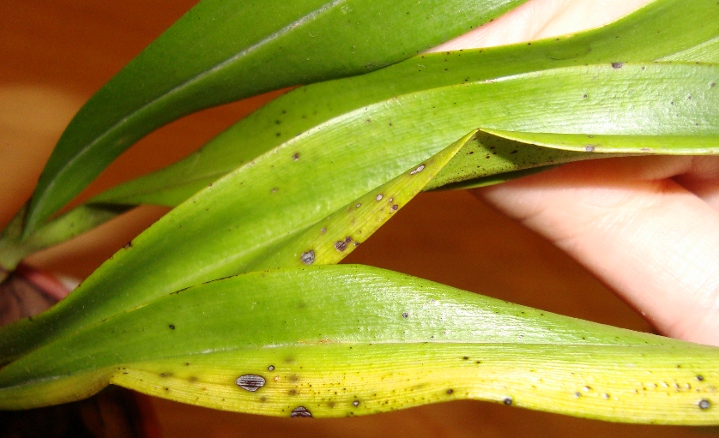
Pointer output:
x,y
55,54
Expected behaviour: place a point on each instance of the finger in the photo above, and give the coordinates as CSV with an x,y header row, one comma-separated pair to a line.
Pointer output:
x,y
651,240
537,19
702,178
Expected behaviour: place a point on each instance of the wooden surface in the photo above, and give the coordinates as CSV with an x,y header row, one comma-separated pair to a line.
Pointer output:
x,y
54,55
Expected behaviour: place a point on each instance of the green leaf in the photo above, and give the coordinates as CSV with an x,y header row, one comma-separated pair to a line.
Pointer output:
x,y
223,51
13,248
708,51
631,144
353,340
647,34
225,228
331,239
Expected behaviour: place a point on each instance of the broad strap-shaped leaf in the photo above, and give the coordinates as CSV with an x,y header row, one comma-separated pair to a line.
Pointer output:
x,y
483,155
350,340
222,51
222,230
650,33
708,51
631,144
331,239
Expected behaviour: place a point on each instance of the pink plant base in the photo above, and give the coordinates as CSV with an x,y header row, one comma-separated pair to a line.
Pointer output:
x,y
45,282
117,411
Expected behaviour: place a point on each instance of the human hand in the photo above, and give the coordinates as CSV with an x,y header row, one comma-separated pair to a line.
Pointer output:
x,y
646,226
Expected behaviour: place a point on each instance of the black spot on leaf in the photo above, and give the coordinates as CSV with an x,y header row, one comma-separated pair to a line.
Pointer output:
x,y
250,382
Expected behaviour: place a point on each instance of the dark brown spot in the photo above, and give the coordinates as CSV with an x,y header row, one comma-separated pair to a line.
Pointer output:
x,y
128,245
250,382
405,315
704,404
172,326
271,368
294,378
296,156
450,391
300,412
308,257
395,207
508,401
292,392
341,245
617,64
700,377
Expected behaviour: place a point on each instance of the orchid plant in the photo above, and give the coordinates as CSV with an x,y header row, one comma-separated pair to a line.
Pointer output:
x,y
235,300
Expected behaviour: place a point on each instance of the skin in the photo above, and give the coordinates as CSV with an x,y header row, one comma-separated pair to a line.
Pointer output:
x,y
648,227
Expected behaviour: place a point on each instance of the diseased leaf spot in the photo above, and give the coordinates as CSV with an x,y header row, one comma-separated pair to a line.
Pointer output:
x,y
617,64
378,197
341,245
172,326
355,403
704,404
296,156
271,368
450,391
589,148
300,412
508,401
700,378
250,382
395,207
418,169
308,257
